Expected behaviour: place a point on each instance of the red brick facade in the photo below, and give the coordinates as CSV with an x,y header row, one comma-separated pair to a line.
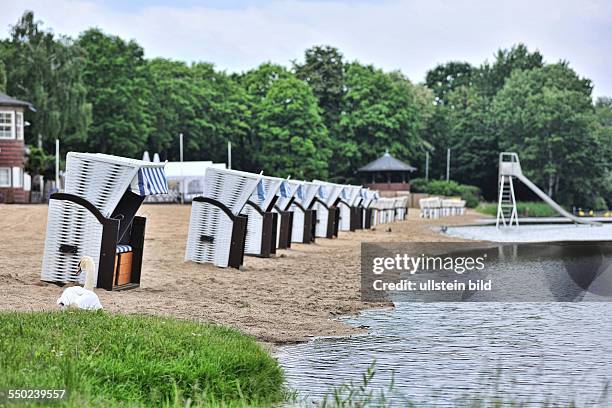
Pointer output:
x,y
12,154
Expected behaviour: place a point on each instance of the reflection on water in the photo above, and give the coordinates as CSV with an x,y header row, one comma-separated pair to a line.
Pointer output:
x,y
439,353
532,272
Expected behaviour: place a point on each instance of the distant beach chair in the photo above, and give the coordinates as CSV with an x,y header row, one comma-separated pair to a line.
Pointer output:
x,y
217,230
350,211
284,230
401,208
261,220
431,207
96,217
325,205
390,210
369,198
452,207
304,216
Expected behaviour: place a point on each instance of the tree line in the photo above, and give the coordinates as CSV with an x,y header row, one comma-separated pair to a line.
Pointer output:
x,y
322,117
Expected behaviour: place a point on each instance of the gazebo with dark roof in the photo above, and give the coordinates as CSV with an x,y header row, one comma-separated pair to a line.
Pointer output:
x,y
387,173
6,100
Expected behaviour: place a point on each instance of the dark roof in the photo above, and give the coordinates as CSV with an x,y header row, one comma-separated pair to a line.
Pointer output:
x,y
6,100
386,162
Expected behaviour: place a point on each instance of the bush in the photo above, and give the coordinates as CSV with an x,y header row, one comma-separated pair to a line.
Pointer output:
x,y
471,194
418,185
107,360
600,204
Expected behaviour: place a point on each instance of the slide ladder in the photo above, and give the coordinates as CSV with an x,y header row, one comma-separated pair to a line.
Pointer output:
x,y
509,168
506,206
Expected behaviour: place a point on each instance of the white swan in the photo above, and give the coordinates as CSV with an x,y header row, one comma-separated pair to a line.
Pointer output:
x,y
82,297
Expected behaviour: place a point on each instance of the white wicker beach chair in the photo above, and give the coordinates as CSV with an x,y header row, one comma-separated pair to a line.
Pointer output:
x,y
217,231
284,226
430,207
366,205
325,205
96,216
261,221
385,210
304,217
401,208
350,210
452,207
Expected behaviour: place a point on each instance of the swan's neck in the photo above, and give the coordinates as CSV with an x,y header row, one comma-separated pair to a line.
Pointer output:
x,y
90,273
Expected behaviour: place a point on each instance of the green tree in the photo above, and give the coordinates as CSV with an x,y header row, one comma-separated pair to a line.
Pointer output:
x,y
292,137
444,78
382,112
546,115
323,70
474,145
603,133
3,50
491,77
47,71
257,82
208,107
462,117
40,162
116,79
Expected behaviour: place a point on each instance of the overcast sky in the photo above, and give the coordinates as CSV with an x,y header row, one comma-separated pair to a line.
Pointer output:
x,y
412,36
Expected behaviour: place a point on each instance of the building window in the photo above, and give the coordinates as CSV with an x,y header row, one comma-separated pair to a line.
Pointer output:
x,y
6,125
19,125
5,176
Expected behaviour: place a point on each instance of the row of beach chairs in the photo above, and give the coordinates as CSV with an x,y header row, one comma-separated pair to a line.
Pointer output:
x,y
436,207
390,209
238,213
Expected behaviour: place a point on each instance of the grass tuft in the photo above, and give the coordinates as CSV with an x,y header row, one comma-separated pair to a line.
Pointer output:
x,y
110,360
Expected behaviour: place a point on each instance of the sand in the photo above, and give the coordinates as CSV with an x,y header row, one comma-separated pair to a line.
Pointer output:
x,y
280,300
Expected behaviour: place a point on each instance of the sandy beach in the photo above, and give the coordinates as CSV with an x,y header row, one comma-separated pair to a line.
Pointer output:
x,y
285,299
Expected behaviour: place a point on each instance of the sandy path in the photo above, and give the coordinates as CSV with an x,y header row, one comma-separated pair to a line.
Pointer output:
x,y
284,299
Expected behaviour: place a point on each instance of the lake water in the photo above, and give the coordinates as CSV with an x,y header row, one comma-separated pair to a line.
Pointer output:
x,y
446,353
534,233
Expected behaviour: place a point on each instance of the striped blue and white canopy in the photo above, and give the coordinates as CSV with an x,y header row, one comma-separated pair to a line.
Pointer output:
x,y
261,191
284,190
300,192
150,181
344,194
322,192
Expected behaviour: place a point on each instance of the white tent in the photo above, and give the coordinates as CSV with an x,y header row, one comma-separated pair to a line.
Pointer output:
x,y
186,179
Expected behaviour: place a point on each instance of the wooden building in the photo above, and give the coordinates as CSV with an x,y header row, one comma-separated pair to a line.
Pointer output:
x,y
14,183
388,175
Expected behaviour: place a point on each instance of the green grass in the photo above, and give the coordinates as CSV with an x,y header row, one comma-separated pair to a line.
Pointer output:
x,y
106,360
524,209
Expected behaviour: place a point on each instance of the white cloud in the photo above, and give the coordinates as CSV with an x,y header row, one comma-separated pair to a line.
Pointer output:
x,y
409,35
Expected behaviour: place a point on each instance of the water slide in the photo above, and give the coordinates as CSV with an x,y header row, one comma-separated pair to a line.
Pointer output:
x,y
509,165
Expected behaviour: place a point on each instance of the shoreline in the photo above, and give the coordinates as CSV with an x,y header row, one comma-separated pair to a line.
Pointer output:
x,y
285,300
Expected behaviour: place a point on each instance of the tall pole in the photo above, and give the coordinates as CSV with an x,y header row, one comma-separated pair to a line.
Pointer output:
x,y
181,157
181,145
57,160
229,154
427,165
448,164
